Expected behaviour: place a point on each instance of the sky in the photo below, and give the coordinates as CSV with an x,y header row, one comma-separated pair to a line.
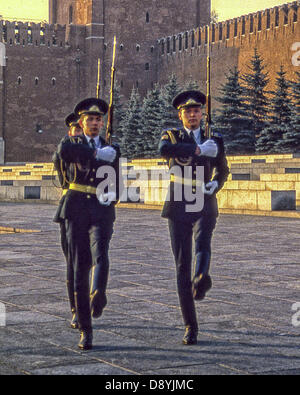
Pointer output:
x,y
228,9
30,10
37,10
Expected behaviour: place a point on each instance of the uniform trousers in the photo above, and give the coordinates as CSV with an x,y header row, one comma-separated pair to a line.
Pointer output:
x,y
181,234
70,269
88,244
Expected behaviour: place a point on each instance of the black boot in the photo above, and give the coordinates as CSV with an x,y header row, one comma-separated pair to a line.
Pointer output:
x,y
201,286
202,281
83,312
98,302
98,298
190,336
70,288
86,339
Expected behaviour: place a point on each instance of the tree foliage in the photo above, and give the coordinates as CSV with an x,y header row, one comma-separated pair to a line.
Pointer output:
x,y
131,125
255,83
250,118
152,122
232,119
272,137
291,141
169,114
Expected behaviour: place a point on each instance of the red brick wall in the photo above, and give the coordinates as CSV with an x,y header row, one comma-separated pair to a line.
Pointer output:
x,y
274,44
69,53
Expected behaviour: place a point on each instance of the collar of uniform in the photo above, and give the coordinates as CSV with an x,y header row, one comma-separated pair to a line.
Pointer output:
x,y
96,139
196,133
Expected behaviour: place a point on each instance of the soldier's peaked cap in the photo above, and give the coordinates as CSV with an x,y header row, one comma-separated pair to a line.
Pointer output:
x,y
189,99
92,106
72,119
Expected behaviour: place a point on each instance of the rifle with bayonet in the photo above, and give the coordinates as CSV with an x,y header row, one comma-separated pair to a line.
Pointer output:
x,y
208,121
111,100
98,81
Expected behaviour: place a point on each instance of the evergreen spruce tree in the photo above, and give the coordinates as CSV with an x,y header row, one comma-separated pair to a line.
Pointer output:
x,y
255,83
191,85
118,114
169,114
130,127
273,137
291,142
152,122
232,119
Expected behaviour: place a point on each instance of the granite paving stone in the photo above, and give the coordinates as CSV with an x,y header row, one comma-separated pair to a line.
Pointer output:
x,y
247,322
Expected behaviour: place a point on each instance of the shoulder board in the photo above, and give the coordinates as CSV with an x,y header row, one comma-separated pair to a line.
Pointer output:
x,y
171,130
168,131
64,139
171,134
77,139
177,132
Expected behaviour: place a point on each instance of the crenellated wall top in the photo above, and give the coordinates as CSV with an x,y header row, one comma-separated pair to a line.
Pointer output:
x,y
38,34
283,16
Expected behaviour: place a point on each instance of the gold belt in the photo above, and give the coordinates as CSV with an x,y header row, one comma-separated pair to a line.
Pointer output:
x,y
83,188
186,181
64,192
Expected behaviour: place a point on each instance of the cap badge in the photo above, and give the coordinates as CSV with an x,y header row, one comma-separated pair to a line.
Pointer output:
x,y
191,101
94,109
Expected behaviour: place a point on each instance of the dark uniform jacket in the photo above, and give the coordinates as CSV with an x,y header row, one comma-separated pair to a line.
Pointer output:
x,y
176,146
80,167
59,166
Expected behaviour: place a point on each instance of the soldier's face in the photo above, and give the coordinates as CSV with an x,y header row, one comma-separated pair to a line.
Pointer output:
x,y
191,117
75,131
91,124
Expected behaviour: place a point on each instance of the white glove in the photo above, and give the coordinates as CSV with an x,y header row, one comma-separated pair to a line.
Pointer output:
x,y
209,148
211,187
106,198
107,154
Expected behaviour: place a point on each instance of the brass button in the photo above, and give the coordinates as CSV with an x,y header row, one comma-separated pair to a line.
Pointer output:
x,y
194,190
91,179
88,196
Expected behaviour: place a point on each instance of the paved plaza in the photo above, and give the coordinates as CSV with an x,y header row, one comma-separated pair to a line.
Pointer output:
x,y
247,322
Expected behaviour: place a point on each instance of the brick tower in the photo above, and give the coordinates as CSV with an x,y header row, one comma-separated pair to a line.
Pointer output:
x,y
137,26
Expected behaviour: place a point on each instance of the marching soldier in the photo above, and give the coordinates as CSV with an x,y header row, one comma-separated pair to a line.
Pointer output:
x,y
72,122
188,149
88,215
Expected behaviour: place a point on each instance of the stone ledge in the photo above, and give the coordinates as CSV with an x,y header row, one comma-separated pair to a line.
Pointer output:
x,y
35,201
282,214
